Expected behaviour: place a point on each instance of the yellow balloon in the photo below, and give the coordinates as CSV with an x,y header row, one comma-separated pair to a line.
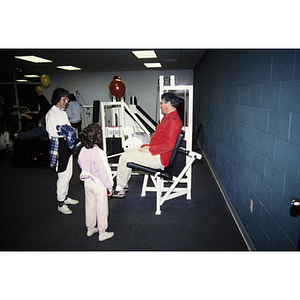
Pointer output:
x,y
38,89
45,80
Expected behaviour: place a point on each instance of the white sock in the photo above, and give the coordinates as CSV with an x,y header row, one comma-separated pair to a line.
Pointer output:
x,y
119,189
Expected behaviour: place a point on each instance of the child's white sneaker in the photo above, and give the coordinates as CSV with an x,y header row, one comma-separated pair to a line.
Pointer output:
x,y
106,235
91,232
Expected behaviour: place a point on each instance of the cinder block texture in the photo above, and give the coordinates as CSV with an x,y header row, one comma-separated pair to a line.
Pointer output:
x,y
248,102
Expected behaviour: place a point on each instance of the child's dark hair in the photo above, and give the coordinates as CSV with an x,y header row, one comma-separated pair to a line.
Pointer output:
x,y
92,135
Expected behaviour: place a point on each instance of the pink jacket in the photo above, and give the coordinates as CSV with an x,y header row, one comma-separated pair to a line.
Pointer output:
x,y
94,165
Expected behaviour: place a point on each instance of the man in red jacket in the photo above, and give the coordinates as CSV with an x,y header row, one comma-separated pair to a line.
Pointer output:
x,y
157,153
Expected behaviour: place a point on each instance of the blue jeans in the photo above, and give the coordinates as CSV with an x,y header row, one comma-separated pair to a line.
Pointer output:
x,y
37,132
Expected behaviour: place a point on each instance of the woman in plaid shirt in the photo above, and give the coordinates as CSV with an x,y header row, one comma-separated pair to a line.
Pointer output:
x,y
60,154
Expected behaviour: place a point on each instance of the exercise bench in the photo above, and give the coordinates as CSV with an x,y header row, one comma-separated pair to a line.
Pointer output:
x,y
161,178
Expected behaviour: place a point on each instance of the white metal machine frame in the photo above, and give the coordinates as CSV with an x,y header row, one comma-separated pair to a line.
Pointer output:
x,y
117,126
123,124
187,91
172,191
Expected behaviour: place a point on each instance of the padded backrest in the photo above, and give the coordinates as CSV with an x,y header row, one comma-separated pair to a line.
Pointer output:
x,y
175,150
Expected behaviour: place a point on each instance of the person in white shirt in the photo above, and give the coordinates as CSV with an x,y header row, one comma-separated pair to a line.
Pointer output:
x,y
59,147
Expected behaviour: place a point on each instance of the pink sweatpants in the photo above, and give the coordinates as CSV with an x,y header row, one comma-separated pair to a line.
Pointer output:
x,y
96,205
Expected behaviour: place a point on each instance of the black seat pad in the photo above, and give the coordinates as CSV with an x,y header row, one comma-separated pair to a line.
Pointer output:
x,y
166,174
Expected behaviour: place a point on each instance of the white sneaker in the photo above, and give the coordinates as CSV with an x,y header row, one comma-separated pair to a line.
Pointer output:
x,y
118,194
64,209
71,201
91,232
106,235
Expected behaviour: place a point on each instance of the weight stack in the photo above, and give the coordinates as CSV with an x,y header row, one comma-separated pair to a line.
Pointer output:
x,y
96,111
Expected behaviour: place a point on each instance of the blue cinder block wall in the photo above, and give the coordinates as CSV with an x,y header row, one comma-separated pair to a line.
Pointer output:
x,y
248,103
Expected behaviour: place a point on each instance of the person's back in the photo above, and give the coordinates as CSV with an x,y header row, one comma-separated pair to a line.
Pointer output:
x,y
73,112
39,118
93,165
45,107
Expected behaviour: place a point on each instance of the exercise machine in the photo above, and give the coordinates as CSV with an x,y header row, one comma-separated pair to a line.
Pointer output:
x,y
169,184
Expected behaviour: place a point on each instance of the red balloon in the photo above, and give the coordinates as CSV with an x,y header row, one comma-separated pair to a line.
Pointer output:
x,y
117,88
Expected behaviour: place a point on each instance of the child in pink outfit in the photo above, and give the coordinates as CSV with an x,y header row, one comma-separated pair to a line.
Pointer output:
x,y
96,174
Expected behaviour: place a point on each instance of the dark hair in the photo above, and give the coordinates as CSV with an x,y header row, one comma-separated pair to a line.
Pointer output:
x,y
72,97
92,135
172,98
58,93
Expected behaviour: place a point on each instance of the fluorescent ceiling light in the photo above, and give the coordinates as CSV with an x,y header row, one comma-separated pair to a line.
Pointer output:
x,y
34,59
152,65
22,80
68,68
32,76
145,54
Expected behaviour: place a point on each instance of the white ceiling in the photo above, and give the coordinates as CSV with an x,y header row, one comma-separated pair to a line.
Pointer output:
x,y
95,60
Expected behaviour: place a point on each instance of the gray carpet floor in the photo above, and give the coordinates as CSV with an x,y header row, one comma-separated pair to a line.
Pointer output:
x,y
29,219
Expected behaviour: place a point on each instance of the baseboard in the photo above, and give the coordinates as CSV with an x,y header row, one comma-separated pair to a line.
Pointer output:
x,y
234,214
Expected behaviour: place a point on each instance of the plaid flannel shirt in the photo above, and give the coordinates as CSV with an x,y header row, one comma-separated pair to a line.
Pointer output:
x,y
69,133
53,150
